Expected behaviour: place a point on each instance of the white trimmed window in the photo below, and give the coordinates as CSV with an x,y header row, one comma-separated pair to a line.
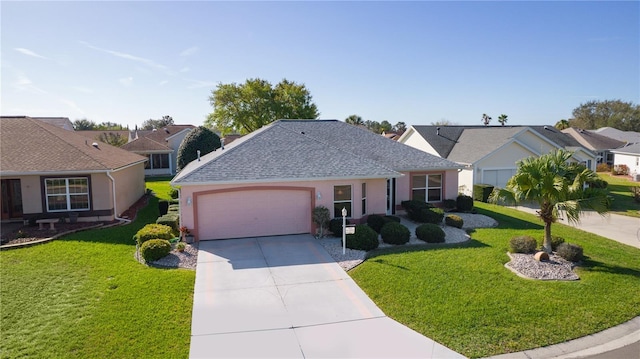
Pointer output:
x,y
67,194
341,199
427,188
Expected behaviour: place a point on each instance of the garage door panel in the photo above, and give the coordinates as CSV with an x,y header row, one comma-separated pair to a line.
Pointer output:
x,y
497,178
252,213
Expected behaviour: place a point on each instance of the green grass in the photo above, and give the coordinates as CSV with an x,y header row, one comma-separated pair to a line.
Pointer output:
x,y
160,186
85,296
463,297
620,189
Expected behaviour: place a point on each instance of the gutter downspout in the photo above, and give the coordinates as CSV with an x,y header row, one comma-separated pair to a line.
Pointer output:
x,y
113,189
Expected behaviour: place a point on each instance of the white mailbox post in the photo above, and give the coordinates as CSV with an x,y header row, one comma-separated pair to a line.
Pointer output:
x,y
344,230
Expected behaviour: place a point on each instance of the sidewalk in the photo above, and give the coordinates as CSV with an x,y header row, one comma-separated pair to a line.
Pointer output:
x,y
625,334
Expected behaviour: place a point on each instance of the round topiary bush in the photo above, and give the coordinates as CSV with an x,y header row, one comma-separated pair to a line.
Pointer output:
x,y
153,231
391,219
376,222
464,203
453,221
395,233
431,215
522,244
430,233
335,226
571,252
154,249
365,238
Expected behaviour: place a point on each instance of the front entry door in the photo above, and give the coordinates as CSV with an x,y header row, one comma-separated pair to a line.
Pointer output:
x,y
391,196
11,199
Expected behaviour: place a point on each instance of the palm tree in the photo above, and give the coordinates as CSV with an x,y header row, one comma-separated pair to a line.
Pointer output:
x,y
562,124
486,119
502,119
558,186
354,120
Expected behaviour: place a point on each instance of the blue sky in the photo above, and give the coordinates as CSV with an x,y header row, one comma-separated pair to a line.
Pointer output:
x,y
417,62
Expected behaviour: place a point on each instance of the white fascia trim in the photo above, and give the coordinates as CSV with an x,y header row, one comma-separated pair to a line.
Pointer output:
x,y
154,152
49,173
129,165
430,169
179,132
406,134
280,180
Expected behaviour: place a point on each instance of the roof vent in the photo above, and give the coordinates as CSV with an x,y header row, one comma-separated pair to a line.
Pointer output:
x,y
438,131
222,143
154,130
166,130
198,151
95,144
302,132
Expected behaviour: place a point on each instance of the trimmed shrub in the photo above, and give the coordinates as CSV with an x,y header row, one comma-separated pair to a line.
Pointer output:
x,y
464,203
154,249
555,242
449,204
620,170
163,207
395,233
430,233
170,220
603,167
173,193
365,238
391,219
414,208
181,246
453,221
376,222
431,215
522,244
174,208
481,192
153,231
571,252
335,226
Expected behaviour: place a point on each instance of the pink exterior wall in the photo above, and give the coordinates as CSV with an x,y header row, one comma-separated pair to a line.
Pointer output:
x,y
323,195
449,183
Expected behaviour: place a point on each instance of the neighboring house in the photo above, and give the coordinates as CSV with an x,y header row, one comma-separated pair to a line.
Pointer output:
x,y
160,147
269,181
62,122
624,136
601,145
629,156
48,172
489,153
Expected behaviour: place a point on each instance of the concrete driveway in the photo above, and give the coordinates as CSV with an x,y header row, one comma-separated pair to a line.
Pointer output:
x,y
285,297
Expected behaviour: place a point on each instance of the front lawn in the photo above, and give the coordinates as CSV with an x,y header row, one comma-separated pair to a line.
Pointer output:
x,y
85,296
463,297
160,186
620,189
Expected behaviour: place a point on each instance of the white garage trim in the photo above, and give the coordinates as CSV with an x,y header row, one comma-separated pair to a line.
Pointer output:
x,y
199,197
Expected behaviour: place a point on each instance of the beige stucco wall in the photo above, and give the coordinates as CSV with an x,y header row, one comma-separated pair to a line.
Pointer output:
x,y
130,186
535,142
465,181
505,157
31,193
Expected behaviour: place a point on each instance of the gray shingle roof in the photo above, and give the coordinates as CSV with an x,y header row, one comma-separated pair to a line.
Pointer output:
x,y
624,136
28,145
593,140
633,149
308,150
467,144
476,143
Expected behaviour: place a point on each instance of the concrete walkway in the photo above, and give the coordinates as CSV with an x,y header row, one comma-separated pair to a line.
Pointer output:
x,y
285,297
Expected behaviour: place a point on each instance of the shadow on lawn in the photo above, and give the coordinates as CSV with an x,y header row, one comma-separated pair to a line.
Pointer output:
x,y
425,247
596,266
120,234
515,220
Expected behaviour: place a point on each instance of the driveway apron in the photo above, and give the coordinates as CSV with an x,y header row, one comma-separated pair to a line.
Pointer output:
x,y
285,297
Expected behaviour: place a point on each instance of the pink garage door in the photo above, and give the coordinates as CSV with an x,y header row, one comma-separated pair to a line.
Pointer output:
x,y
253,213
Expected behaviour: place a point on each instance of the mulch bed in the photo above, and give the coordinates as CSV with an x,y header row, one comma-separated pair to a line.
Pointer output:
x,y
27,234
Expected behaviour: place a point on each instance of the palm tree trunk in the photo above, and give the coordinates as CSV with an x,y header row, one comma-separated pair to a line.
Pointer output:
x,y
546,246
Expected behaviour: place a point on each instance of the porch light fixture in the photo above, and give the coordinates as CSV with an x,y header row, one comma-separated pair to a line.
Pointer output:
x,y
319,195
188,201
